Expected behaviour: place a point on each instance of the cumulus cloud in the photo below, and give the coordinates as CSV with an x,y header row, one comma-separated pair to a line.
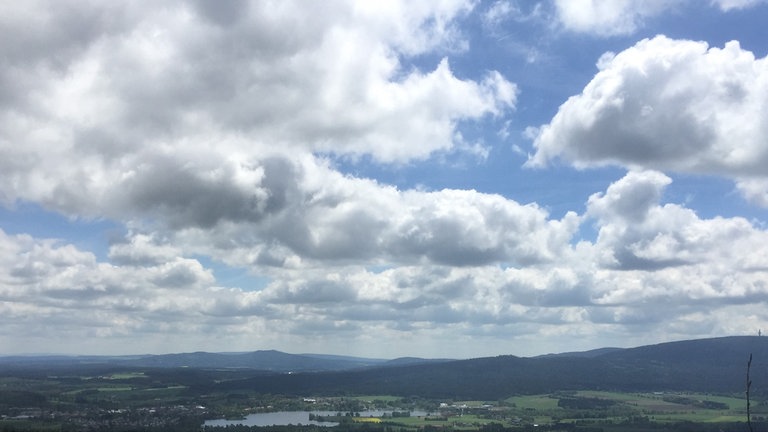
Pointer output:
x,y
184,116
205,122
141,249
212,135
654,260
200,128
651,260
55,278
54,292
636,232
667,104
316,216
153,82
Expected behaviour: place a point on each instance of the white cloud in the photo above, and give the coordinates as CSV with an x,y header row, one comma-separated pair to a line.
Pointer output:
x,y
650,261
609,18
637,232
503,10
657,261
204,122
178,79
316,216
727,5
499,12
212,133
755,190
142,249
624,17
185,117
631,198
667,104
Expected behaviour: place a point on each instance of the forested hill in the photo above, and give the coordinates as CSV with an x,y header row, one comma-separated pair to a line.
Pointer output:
x,y
708,365
714,352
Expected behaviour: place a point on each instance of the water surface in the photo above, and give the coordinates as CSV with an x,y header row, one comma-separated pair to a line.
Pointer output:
x,y
283,418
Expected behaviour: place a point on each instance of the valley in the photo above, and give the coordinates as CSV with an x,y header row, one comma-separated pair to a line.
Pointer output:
x,y
687,385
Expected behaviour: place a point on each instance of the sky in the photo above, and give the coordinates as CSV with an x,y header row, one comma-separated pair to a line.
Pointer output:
x,y
446,179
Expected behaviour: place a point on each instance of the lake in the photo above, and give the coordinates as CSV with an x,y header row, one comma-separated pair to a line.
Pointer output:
x,y
282,418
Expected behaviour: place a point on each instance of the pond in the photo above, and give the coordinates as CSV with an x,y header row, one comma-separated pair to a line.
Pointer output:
x,y
282,418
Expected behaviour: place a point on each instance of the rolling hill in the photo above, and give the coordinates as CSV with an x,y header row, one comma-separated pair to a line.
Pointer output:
x,y
708,365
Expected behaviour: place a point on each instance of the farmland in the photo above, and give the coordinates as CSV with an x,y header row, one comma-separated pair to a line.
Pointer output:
x,y
181,400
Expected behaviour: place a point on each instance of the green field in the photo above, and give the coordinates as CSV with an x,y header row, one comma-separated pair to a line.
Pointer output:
x,y
623,408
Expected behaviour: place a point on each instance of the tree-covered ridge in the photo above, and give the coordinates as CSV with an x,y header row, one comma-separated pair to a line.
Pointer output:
x,y
716,365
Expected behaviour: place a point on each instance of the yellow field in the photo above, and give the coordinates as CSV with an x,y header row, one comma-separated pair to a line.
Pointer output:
x,y
367,420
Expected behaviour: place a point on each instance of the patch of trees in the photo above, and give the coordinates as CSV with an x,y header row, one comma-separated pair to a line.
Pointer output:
x,y
584,403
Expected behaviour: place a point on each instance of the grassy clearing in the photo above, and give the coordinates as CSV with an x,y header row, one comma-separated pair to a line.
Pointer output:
x,y
465,421
656,401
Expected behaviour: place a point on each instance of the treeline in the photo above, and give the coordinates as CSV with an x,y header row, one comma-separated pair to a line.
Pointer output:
x,y
682,400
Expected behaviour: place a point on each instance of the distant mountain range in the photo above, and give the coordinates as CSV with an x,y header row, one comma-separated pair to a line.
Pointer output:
x,y
263,360
707,365
715,365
